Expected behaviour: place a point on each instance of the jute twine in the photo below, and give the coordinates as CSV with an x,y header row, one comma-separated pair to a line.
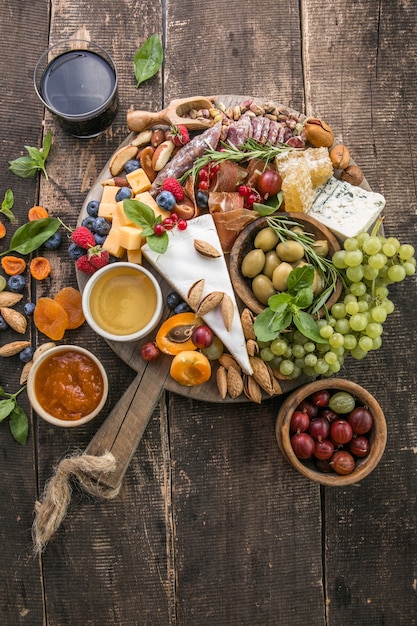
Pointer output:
x,y
51,510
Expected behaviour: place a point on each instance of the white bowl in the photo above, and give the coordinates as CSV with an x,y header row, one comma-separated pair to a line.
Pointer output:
x,y
51,387
122,302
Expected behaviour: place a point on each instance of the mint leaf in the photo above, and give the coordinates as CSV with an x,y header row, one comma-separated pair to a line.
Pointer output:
x,y
148,59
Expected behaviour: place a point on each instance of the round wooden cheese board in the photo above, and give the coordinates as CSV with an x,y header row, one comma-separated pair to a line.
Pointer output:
x,y
130,352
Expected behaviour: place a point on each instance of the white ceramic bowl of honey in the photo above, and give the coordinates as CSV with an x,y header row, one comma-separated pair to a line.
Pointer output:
x,y
67,386
122,302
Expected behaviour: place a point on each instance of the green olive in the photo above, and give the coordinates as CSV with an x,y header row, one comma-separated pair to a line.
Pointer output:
x,y
262,288
266,239
290,251
280,276
272,260
321,247
253,263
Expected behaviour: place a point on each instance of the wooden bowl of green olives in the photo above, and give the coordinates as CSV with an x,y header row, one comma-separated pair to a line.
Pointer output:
x,y
332,431
261,259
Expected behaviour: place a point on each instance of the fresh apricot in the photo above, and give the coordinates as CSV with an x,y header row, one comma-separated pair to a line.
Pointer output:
x,y
174,335
190,368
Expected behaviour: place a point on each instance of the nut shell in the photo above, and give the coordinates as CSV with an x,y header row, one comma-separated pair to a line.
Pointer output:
x,y
318,133
340,157
353,175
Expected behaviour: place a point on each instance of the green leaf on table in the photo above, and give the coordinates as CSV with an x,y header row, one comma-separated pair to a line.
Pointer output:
x,y
30,236
28,166
148,59
19,425
6,407
24,167
7,205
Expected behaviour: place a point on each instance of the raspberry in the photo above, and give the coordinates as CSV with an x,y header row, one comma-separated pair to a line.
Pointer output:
x,y
83,237
98,257
174,186
179,135
83,264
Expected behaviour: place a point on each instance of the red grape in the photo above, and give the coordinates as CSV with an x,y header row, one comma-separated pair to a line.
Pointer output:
x,y
202,337
269,183
149,351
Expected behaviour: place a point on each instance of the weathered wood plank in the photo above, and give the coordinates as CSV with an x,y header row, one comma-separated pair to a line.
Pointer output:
x,y
370,547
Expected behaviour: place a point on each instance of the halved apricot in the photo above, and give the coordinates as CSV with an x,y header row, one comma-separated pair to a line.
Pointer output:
x,y
190,368
174,335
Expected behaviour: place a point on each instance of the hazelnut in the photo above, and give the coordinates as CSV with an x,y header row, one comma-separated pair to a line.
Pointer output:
x,y
318,133
353,175
340,157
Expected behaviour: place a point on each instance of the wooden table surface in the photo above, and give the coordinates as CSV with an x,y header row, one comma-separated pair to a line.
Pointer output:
x,y
211,526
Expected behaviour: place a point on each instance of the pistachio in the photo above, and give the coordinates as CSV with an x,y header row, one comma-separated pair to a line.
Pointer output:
x,y
318,133
340,157
353,175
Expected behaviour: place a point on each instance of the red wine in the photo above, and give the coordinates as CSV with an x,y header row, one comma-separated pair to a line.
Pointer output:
x,y
79,86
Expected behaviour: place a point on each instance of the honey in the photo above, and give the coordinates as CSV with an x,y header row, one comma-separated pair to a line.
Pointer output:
x,y
68,385
123,301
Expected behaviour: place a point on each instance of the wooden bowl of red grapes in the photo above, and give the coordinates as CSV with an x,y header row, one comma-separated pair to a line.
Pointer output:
x,y
332,431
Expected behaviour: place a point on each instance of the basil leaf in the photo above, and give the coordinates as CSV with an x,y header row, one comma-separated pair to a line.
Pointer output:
x,y
6,407
19,425
6,206
148,59
32,235
304,298
300,278
47,143
2,392
157,243
23,167
275,301
33,153
141,214
262,326
271,206
281,320
307,326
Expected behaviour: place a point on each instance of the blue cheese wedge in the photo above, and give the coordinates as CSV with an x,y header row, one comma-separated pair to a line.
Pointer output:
x,y
183,266
345,209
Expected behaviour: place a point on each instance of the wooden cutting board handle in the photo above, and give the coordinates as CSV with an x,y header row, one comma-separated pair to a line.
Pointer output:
x,y
122,430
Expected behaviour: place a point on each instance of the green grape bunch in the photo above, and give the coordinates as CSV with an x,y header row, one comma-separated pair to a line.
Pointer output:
x,y
367,264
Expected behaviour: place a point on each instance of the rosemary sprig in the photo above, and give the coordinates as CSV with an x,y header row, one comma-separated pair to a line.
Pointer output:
x,y
251,149
329,274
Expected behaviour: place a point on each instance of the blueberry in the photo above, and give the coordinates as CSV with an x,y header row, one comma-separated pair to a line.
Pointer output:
x,y
99,239
124,193
3,323
16,283
182,307
166,200
92,208
131,166
88,222
29,308
54,241
201,198
173,300
101,226
74,251
26,355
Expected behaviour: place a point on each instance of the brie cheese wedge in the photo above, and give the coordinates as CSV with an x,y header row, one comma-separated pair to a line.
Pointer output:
x,y
182,266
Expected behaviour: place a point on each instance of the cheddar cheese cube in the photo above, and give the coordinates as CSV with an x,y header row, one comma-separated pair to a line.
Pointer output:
x,y
135,256
130,237
108,202
139,181
146,198
121,215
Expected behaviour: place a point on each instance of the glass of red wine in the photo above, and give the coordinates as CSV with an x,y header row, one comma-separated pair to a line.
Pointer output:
x,y
77,81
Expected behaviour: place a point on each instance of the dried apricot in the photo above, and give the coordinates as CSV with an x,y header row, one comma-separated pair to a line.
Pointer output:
x,y
174,335
2,230
37,213
190,368
40,268
50,318
71,300
13,265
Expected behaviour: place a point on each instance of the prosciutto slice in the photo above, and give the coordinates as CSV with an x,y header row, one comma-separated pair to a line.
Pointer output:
x,y
230,223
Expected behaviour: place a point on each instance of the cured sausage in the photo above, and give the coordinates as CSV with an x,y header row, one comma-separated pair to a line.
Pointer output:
x,y
184,159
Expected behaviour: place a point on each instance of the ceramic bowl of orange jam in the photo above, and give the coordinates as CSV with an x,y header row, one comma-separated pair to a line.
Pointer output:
x,y
67,386
122,302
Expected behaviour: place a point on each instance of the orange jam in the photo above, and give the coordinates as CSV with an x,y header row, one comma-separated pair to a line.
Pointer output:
x,y
69,385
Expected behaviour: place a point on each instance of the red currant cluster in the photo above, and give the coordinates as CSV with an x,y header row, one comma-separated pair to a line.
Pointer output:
x,y
206,175
250,196
169,223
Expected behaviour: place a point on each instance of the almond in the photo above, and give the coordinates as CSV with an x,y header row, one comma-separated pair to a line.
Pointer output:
x,y
252,347
8,298
43,348
14,347
194,293
209,303
234,383
252,390
228,311
121,157
221,380
14,319
247,320
228,361
262,374
25,372
206,249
